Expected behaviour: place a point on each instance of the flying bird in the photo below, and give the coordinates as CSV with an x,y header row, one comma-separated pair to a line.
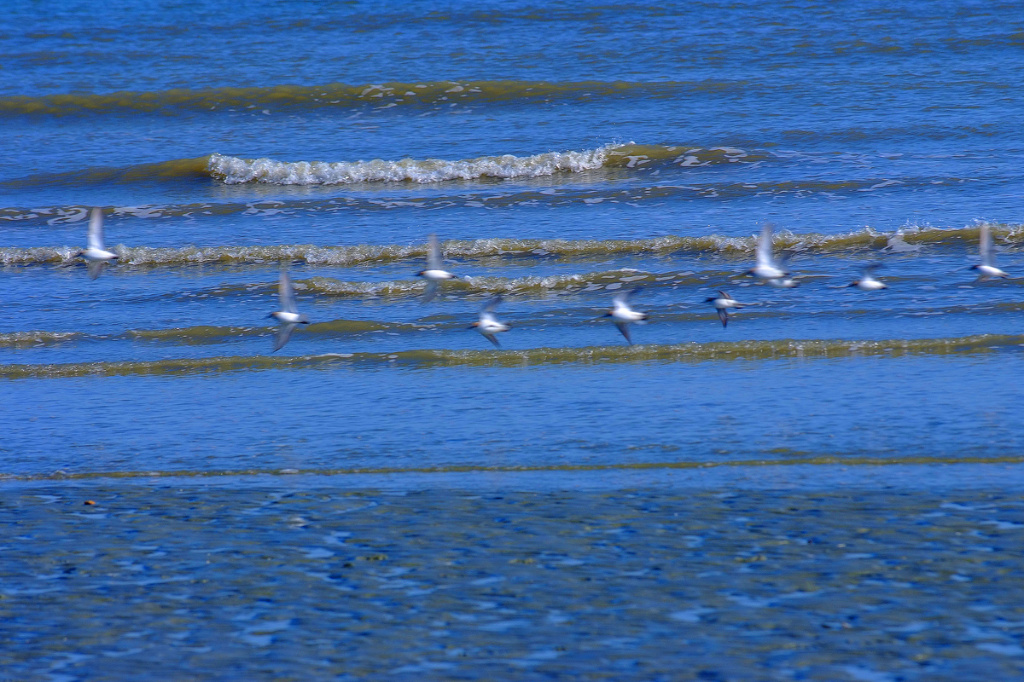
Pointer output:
x,y
867,281
766,267
987,268
783,282
289,315
622,314
95,255
722,303
435,272
488,324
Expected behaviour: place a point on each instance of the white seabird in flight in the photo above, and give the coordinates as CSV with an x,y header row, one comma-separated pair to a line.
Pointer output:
x,y
289,315
435,272
95,255
722,303
867,281
987,267
766,267
488,324
623,315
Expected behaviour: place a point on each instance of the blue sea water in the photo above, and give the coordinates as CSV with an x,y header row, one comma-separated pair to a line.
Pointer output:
x,y
562,155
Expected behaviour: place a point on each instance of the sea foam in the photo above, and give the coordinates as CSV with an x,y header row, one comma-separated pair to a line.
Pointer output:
x,y
233,170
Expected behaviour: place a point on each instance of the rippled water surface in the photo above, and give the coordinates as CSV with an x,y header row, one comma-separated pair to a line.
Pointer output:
x,y
826,488
739,584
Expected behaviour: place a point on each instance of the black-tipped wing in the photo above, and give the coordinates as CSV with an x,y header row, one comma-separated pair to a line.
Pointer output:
x,y
723,315
624,328
871,267
430,292
283,334
96,268
985,244
491,304
764,246
624,297
433,253
95,238
286,294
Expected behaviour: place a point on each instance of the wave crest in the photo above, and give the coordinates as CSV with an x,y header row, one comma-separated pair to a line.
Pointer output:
x,y
232,170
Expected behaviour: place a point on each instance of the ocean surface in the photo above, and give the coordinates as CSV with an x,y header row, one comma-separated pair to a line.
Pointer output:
x,y
829,487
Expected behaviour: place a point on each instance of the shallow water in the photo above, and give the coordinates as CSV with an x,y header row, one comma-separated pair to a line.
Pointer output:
x,y
745,584
563,156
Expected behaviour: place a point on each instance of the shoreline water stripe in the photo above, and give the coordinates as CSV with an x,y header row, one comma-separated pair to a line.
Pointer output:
x,y
821,460
684,352
510,248
343,96
204,335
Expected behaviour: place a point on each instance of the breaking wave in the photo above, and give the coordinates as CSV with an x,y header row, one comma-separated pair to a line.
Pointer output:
x,y
233,170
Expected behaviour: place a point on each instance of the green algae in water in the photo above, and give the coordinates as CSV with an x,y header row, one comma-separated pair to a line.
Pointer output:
x,y
685,352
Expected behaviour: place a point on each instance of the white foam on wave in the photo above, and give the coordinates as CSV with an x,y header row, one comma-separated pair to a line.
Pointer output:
x,y
233,170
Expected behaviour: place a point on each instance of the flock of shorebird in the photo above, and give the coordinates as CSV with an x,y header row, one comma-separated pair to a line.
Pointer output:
x,y
622,313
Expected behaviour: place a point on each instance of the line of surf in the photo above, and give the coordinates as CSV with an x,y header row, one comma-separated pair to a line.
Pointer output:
x,y
818,460
205,334
591,355
510,249
208,335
